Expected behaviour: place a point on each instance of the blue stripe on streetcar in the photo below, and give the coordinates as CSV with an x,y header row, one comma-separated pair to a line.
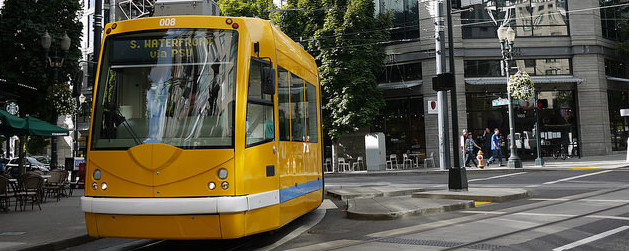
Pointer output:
x,y
292,192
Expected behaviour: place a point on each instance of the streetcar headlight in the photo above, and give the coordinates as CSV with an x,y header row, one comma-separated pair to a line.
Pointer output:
x,y
222,173
103,186
94,186
211,185
96,174
225,185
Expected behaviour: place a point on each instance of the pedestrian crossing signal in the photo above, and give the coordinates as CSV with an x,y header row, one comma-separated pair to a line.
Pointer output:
x,y
542,103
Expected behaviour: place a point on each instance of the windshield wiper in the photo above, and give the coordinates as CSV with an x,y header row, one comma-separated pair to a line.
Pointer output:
x,y
118,119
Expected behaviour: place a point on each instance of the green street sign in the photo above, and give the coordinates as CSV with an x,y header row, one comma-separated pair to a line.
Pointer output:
x,y
502,101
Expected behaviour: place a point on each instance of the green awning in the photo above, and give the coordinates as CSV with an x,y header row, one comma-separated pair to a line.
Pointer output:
x,y
11,125
43,128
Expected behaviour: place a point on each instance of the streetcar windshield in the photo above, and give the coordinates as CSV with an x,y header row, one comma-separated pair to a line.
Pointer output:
x,y
174,86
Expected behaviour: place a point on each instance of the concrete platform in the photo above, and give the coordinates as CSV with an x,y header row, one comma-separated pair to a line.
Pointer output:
x,y
476,194
389,208
371,192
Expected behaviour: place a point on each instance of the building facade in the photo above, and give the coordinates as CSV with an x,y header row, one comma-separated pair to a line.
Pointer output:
x,y
568,47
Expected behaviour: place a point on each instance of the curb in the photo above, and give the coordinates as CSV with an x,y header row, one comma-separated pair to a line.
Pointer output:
x,y
456,205
62,244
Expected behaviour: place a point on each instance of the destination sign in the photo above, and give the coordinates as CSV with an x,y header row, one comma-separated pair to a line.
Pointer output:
x,y
151,50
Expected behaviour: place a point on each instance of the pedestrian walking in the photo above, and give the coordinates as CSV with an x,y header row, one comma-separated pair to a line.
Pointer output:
x,y
496,151
462,145
469,150
487,142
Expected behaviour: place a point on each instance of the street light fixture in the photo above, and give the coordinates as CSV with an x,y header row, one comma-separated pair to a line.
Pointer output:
x,y
507,37
55,62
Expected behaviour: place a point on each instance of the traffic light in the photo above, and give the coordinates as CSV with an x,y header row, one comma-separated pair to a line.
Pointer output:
x,y
542,103
443,82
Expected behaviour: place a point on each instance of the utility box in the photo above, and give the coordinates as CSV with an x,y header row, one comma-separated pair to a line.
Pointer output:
x,y
186,7
375,151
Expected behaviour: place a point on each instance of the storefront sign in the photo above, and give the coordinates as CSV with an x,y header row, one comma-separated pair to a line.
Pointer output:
x,y
433,108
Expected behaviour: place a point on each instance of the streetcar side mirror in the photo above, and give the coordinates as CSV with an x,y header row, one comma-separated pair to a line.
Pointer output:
x,y
268,80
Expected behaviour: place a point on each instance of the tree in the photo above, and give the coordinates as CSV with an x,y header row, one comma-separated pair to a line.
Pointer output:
x,y
22,58
246,8
350,59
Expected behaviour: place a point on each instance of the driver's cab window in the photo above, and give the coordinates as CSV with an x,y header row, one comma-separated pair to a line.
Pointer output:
x,y
260,127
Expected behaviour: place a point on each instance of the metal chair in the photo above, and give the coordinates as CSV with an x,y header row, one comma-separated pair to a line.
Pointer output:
x,y
359,164
432,159
392,160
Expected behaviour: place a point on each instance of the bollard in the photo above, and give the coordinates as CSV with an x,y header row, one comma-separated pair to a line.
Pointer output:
x,y
457,179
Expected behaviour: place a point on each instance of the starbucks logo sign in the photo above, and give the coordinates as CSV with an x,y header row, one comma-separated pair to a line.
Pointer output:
x,y
12,107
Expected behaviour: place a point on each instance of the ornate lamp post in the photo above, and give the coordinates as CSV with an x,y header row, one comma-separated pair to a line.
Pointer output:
x,y
507,36
55,62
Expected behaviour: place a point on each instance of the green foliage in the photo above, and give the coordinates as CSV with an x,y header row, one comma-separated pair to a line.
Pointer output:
x,y
344,38
22,59
350,57
246,8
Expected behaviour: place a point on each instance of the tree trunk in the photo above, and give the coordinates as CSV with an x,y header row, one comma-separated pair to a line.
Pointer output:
x,y
335,155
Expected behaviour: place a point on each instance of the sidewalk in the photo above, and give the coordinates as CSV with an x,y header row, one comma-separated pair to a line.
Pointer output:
x,y
62,224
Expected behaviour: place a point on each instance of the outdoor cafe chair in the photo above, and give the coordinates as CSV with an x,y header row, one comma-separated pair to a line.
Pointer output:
x,y
344,166
7,192
406,160
431,159
29,189
392,161
55,185
359,164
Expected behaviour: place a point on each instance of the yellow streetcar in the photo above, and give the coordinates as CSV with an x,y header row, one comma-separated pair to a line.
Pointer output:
x,y
203,127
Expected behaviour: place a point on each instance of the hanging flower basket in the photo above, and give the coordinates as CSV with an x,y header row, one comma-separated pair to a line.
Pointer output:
x,y
520,86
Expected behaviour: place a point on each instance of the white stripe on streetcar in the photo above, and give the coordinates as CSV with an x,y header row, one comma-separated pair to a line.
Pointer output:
x,y
592,238
577,177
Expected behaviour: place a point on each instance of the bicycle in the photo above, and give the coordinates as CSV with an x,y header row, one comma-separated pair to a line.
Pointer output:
x,y
562,152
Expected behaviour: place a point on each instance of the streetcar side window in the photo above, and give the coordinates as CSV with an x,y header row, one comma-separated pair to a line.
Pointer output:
x,y
260,127
297,108
311,113
283,99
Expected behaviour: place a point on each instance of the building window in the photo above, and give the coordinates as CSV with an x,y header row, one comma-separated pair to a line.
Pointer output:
x,y
90,31
482,68
401,73
405,15
615,68
548,66
611,19
530,18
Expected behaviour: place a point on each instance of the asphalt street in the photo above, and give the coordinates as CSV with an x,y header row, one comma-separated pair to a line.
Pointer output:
x,y
576,209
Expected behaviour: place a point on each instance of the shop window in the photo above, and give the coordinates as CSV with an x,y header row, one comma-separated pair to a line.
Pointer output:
x,y
259,126
611,19
619,126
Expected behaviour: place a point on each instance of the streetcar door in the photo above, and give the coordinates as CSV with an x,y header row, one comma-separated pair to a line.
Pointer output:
x,y
260,169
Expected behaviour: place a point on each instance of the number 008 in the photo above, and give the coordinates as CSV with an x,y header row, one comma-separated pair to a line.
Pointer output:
x,y
167,22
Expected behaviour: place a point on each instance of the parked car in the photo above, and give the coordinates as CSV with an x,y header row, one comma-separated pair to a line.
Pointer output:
x,y
30,163
42,159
